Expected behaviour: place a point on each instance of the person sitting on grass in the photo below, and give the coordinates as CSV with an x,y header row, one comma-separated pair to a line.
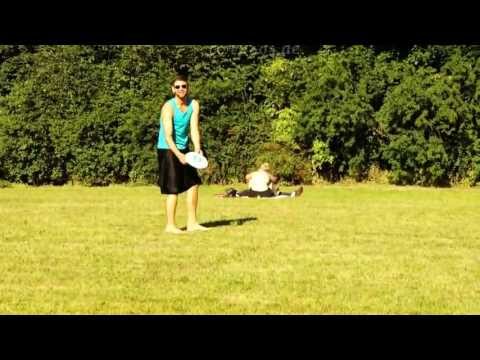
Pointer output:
x,y
262,184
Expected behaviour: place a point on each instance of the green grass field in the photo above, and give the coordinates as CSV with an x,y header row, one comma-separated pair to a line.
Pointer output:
x,y
338,249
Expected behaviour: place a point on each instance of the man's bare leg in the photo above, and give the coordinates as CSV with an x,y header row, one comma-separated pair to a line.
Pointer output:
x,y
171,209
192,204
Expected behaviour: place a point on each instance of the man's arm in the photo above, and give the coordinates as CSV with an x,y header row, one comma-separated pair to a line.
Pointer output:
x,y
195,127
167,121
274,179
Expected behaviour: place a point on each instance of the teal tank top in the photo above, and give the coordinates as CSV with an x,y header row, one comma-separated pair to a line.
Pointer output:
x,y
181,126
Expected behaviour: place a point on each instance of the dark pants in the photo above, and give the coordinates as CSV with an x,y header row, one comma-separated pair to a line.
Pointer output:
x,y
254,194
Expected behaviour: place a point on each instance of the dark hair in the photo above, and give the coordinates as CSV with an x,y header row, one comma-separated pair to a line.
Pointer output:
x,y
180,77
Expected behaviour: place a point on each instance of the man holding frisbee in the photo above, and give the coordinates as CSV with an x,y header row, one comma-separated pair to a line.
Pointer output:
x,y
179,122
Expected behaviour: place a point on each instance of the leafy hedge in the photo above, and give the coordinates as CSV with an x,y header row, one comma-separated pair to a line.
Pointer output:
x,y
91,113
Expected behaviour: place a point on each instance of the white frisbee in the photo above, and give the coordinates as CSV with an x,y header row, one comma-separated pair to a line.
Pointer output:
x,y
196,160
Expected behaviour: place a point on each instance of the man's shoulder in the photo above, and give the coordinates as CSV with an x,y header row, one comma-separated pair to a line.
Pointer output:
x,y
194,103
167,106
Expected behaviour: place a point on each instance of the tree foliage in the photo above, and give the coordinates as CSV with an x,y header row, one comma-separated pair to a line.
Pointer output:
x,y
90,113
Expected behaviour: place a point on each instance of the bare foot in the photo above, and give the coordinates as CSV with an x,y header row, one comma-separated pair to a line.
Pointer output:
x,y
173,230
196,227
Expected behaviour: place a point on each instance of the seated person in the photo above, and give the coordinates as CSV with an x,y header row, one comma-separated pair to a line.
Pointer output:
x,y
262,183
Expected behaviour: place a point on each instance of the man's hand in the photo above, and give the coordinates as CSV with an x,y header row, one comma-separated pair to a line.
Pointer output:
x,y
181,158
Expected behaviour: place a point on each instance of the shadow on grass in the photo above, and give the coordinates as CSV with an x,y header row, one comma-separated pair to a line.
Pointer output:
x,y
229,222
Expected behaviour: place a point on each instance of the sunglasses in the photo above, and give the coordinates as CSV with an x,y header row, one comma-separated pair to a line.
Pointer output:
x,y
180,86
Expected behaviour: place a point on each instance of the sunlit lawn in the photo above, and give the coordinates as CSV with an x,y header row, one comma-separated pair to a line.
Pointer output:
x,y
337,249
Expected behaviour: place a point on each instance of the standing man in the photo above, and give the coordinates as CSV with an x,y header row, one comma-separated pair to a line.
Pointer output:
x,y
179,122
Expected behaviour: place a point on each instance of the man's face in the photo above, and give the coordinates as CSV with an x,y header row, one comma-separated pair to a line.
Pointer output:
x,y
180,88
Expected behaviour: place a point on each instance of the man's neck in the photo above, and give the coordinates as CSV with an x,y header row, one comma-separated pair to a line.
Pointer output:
x,y
181,101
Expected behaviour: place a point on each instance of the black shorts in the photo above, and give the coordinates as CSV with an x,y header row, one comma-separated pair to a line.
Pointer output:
x,y
174,177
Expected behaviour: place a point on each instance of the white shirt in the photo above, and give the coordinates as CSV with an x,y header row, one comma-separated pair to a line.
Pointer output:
x,y
259,181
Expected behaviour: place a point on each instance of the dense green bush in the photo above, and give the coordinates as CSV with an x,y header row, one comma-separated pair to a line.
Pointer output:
x,y
334,111
91,113
431,130
286,161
